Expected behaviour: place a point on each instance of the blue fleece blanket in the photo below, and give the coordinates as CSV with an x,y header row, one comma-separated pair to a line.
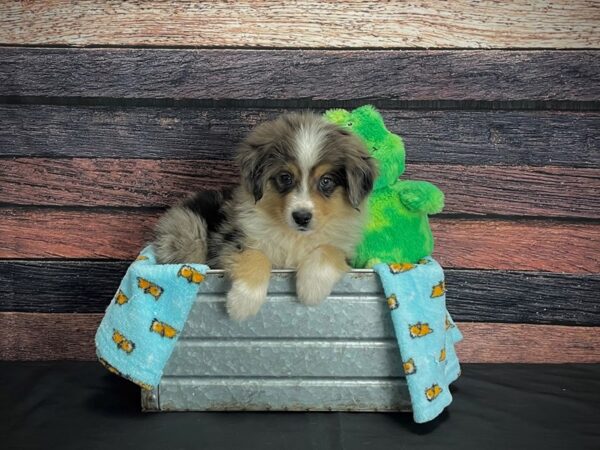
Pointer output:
x,y
426,334
144,319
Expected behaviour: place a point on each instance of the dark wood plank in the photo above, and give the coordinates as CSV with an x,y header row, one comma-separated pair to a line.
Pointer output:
x,y
60,286
352,23
475,296
534,138
498,190
465,244
382,76
523,297
38,336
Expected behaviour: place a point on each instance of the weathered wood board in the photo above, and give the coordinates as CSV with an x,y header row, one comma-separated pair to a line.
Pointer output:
x,y
461,243
356,23
327,76
473,190
531,138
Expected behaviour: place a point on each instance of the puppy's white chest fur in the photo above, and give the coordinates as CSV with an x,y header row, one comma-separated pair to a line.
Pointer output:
x,y
288,248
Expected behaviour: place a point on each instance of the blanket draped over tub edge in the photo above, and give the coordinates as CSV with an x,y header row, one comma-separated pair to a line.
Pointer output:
x,y
147,314
426,334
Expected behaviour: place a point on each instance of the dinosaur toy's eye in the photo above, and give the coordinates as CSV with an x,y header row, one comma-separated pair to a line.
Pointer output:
x,y
349,124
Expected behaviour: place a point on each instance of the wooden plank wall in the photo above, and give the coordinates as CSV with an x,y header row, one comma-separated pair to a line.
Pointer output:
x,y
110,111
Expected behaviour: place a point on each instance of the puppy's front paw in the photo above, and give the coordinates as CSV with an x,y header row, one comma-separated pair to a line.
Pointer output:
x,y
244,301
314,283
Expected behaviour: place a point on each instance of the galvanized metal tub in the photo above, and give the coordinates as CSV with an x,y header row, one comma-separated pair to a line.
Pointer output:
x,y
339,356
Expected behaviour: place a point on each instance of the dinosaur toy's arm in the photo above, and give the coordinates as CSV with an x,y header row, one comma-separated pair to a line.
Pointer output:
x,y
420,196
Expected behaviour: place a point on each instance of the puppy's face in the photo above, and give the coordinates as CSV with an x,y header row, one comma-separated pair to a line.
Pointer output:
x,y
305,172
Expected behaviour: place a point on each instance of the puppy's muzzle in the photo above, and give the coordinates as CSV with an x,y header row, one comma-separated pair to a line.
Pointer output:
x,y
302,217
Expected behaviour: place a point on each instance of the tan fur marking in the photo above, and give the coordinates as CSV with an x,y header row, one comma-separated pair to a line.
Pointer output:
x,y
326,208
294,170
336,207
320,170
252,267
273,204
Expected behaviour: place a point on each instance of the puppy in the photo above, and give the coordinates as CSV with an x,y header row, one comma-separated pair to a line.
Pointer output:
x,y
300,205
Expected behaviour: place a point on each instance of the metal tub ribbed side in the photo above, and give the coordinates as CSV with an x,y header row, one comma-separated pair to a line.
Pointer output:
x,y
339,356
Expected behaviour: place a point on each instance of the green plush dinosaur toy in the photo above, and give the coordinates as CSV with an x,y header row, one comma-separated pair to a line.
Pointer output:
x,y
397,230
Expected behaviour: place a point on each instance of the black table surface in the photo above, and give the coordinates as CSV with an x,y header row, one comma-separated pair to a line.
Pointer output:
x,y
79,405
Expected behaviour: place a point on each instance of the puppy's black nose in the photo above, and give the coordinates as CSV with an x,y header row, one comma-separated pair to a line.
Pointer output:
x,y
302,217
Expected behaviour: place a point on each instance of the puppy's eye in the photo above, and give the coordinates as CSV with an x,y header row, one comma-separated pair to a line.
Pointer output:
x,y
285,179
326,183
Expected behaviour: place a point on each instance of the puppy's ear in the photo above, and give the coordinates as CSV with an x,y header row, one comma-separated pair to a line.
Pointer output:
x,y
361,171
253,161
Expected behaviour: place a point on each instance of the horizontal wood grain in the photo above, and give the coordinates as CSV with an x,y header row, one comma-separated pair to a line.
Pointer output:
x,y
498,190
520,343
74,234
356,23
529,191
473,295
108,182
26,336
534,138
382,76
507,245
467,244
35,336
